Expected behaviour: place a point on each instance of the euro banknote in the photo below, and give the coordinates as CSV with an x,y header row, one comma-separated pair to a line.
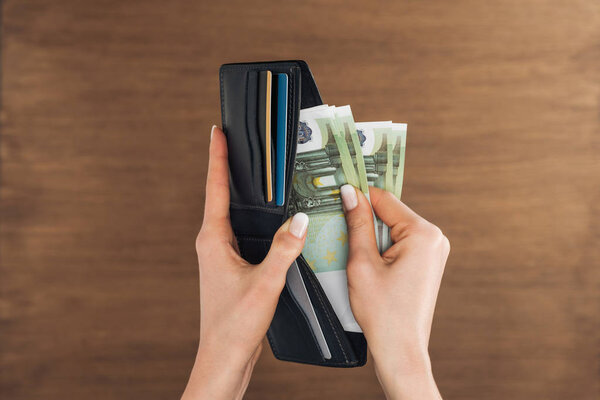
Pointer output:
x,y
333,150
323,164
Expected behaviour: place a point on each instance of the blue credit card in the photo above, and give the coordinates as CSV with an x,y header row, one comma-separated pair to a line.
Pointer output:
x,y
280,157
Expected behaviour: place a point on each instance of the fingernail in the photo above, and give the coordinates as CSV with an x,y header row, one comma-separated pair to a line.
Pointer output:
x,y
212,130
299,225
349,197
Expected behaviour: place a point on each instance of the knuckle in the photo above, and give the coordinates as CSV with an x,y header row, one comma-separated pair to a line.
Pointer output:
x,y
429,233
397,232
416,228
358,261
360,271
286,246
282,257
201,242
206,243
357,223
436,234
427,230
446,243
389,196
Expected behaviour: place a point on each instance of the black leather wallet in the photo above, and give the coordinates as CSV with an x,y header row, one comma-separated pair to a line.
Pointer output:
x,y
254,221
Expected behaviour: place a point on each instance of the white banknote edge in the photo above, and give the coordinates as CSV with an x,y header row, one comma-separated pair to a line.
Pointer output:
x,y
335,286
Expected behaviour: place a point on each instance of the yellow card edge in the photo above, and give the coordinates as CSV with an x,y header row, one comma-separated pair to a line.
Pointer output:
x,y
268,139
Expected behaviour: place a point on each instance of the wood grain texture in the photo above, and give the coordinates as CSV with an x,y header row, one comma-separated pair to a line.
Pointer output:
x,y
106,111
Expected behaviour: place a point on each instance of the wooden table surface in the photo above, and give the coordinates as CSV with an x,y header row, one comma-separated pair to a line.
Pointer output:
x,y
106,111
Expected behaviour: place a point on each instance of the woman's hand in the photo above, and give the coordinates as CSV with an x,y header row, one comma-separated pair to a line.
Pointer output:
x,y
237,299
393,295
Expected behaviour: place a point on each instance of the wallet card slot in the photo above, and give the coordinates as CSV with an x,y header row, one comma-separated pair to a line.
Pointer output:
x,y
292,132
239,110
254,139
239,113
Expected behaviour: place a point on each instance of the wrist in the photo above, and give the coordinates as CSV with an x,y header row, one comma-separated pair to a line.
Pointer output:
x,y
418,384
404,372
402,353
216,375
402,360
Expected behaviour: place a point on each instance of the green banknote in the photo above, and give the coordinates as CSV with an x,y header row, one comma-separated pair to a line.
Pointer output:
x,y
395,144
347,128
400,130
382,150
324,162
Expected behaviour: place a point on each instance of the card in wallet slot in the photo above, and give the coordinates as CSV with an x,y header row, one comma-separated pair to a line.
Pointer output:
x,y
280,114
265,83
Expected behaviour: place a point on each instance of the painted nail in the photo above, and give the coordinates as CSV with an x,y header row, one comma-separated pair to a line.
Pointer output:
x,y
299,225
349,198
212,130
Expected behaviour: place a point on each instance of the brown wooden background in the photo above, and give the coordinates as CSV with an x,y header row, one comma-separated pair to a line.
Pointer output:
x,y
106,112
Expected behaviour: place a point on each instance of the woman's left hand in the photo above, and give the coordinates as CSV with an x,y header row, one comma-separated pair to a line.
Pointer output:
x,y
237,299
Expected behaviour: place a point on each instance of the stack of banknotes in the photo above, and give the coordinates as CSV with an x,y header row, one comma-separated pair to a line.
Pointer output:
x,y
334,150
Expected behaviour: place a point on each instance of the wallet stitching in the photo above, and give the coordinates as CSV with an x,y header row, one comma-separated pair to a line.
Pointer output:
x,y
329,320
259,66
291,162
270,210
223,118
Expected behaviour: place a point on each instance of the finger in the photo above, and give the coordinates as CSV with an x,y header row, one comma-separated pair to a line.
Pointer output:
x,y
391,210
216,206
359,218
287,245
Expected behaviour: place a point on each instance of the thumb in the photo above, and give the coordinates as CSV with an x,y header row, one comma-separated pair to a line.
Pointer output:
x,y
359,218
287,245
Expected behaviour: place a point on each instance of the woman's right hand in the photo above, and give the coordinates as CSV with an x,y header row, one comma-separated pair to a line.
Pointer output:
x,y
393,295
